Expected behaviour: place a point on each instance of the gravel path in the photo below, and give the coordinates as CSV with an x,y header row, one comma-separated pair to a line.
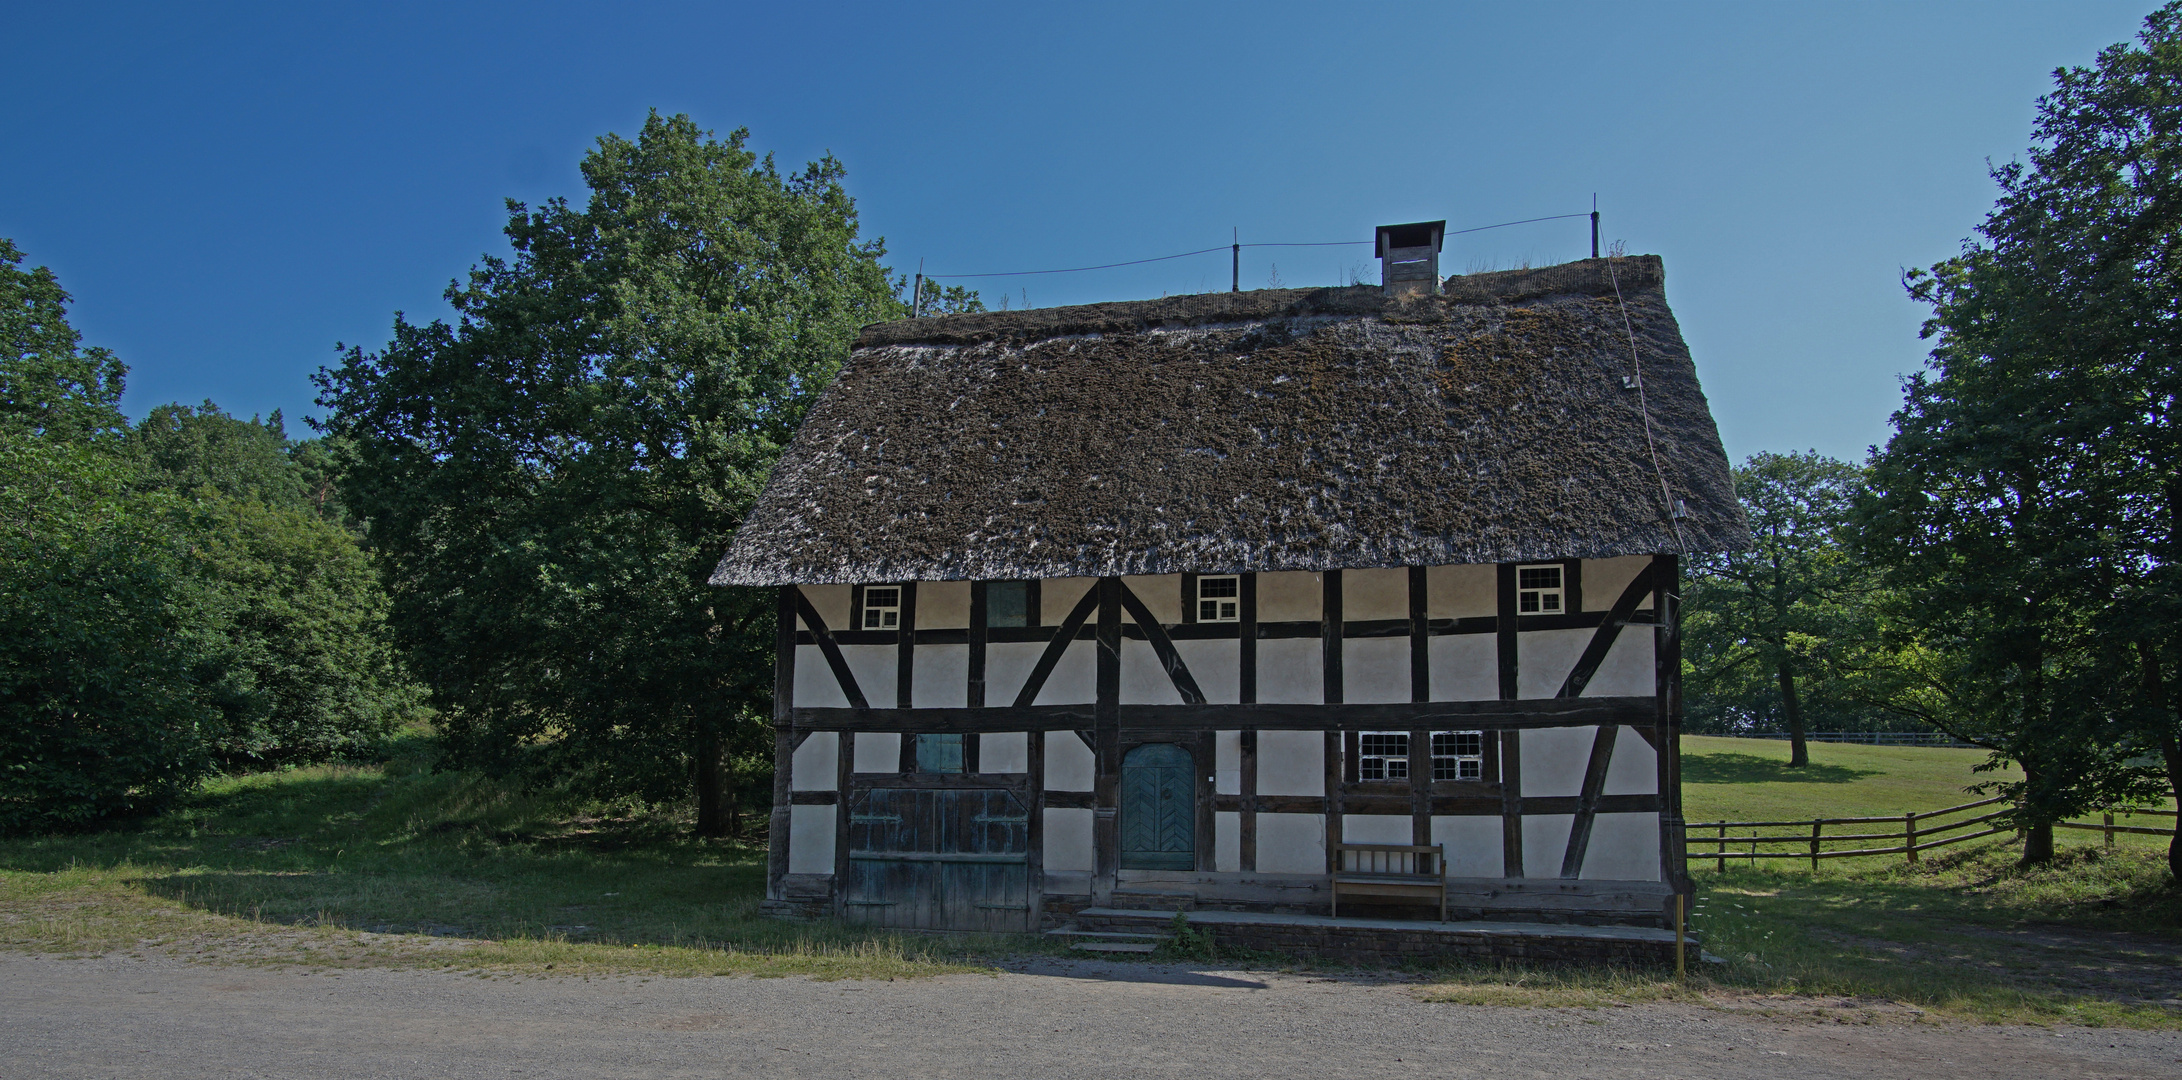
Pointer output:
x,y
171,1018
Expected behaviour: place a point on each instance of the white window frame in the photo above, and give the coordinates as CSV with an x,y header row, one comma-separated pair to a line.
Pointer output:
x,y
882,607
1384,763
1457,765
1225,606
1541,599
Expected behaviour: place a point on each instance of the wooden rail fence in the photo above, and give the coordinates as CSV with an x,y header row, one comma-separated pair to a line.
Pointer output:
x,y
1919,832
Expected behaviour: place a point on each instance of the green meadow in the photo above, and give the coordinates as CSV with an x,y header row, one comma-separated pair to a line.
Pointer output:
x,y
398,865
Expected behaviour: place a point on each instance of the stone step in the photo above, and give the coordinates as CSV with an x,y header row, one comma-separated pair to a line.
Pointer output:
x,y
1072,932
1113,946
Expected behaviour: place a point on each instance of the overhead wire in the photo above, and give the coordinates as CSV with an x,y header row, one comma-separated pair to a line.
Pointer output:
x,y
1651,445
1231,247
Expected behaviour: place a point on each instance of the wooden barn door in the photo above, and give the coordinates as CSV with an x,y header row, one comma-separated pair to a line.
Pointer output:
x,y
1158,809
940,859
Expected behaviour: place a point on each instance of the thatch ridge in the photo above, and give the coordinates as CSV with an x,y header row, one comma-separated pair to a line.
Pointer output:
x,y
1300,429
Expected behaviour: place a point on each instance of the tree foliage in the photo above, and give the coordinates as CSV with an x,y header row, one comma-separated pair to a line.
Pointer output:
x,y
172,597
2026,509
550,478
1763,625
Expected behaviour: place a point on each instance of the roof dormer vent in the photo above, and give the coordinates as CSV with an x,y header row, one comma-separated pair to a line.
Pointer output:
x,y
1409,257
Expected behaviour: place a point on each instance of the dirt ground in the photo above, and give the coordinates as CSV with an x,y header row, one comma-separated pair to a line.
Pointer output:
x,y
1047,1018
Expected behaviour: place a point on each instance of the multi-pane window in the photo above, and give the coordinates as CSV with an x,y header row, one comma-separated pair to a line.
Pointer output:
x,y
1458,755
882,607
1219,599
1382,755
939,753
1007,603
1538,590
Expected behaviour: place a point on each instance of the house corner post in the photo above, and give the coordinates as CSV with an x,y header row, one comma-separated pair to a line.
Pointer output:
x,y
784,681
1106,840
1667,680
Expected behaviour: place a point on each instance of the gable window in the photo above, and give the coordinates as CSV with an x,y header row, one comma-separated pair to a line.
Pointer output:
x,y
1219,599
1538,590
1383,755
1458,755
1007,603
882,607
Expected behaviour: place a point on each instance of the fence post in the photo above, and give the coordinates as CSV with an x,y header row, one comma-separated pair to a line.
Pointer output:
x,y
1722,852
1910,823
1816,824
2109,828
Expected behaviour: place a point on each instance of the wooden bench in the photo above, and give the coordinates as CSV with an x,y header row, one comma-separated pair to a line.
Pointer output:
x,y
1390,871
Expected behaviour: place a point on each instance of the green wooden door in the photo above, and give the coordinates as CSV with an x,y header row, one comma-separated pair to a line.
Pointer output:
x,y
939,859
1158,809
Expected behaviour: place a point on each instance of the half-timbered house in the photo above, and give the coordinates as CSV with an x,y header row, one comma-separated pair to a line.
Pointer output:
x,y
1155,604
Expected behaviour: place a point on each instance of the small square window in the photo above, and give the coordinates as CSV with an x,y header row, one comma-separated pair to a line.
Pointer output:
x,y
1458,755
882,608
1219,599
1007,603
939,753
1382,755
1538,590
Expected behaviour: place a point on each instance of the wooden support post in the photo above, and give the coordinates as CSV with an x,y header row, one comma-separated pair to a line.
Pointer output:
x,y
1681,951
1721,865
2109,828
1816,825
1909,830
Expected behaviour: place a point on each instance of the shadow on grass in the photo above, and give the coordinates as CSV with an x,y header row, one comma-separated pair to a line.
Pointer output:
x,y
1733,768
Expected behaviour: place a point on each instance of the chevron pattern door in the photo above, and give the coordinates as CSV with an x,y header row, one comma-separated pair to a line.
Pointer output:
x,y
1158,809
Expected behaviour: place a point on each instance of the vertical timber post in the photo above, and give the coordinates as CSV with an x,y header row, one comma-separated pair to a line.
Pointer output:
x,y
1238,263
1909,836
784,746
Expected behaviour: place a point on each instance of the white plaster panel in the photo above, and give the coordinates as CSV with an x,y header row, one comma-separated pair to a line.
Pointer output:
x,y
1472,845
1465,667
1291,671
1291,763
1635,767
1374,594
1623,847
943,605
874,667
1604,579
815,765
879,751
1004,752
942,675
810,839
1007,664
1068,840
1627,669
1227,762
1075,680
1461,592
831,602
816,688
1554,760
1227,842
1162,593
1070,765
1144,681
1545,843
1058,596
1543,659
1375,670
1376,829
1217,667
1290,596
1291,843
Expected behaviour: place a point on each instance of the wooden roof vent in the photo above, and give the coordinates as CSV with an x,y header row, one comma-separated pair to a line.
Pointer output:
x,y
1409,257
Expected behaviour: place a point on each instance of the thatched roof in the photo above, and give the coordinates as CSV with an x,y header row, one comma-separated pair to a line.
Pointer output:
x,y
1284,429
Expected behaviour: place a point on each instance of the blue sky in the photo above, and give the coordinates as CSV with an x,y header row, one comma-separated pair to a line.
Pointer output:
x,y
229,190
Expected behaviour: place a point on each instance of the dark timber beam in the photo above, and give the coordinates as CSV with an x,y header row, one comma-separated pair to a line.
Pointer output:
x,y
831,651
1389,716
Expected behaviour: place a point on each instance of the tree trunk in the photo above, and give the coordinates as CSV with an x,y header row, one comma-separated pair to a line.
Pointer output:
x,y
2038,845
2172,747
711,820
1799,751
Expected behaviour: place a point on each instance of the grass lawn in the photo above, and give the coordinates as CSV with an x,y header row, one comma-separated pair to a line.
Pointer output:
x,y
397,865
